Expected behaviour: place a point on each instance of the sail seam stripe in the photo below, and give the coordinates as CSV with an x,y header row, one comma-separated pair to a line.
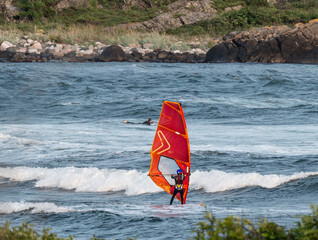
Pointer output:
x,y
180,134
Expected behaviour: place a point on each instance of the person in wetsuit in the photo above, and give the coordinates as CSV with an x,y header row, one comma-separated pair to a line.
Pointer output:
x,y
178,187
148,122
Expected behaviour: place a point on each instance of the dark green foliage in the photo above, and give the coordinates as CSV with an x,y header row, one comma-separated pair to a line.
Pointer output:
x,y
233,228
307,228
222,4
36,9
302,4
158,3
26,232
257,3
104,16
271,231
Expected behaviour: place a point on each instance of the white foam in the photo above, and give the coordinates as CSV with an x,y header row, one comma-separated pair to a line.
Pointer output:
x,y
278,140
216,181
133,182
34,207
84,179
250,103
17,140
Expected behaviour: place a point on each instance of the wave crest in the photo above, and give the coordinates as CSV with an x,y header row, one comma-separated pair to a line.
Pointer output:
x,y
133,182
34,207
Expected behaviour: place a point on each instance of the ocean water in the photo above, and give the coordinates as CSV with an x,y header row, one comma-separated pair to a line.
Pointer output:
x,y
68,162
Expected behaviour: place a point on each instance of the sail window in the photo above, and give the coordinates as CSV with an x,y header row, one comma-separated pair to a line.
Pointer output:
x,y
168,167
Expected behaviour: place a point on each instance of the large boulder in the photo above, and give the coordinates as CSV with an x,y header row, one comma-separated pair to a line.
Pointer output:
x,y
8,53
269,45
113,53
5,44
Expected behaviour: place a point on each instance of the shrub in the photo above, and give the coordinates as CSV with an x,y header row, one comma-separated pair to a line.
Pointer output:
x,y
234,228
36,9
26,231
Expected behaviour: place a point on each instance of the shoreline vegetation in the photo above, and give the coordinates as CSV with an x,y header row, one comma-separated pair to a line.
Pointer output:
x,y
189,28
230,227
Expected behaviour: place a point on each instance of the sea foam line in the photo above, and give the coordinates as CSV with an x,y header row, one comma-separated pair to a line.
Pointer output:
x,y
216,181
35,207
18,140
134,182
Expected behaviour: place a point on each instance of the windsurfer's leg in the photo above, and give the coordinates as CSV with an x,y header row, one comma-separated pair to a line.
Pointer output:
x,y
174,194
181,196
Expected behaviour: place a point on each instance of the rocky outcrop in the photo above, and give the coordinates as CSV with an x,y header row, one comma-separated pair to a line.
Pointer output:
x,y
182,12
71,3
9,10
269,45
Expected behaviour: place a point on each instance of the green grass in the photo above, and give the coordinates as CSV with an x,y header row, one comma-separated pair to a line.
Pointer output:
x,y
220,5
104,16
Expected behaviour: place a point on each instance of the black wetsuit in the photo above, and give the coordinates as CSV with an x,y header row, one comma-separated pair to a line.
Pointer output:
x,y
148,122
178,187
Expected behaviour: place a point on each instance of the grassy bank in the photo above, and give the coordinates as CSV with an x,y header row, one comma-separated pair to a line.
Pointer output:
x,y
94,22
90,34
229,228
252,15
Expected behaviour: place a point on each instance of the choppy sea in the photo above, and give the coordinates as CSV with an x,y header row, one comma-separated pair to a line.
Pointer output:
x,y
68,162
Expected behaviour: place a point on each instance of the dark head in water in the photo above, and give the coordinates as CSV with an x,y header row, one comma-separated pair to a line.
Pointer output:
x,y
148,122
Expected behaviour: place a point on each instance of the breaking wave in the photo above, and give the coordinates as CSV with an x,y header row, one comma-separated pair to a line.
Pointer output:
x,y
33,207
133,182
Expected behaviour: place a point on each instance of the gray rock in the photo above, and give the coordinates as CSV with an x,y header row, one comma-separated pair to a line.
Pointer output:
x,y
113,53
71,3
269,45
163,22
8,53
5,45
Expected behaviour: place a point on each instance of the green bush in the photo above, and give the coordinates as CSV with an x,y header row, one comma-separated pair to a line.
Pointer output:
x,y
257,3
221,4
36,9
26,232
234,228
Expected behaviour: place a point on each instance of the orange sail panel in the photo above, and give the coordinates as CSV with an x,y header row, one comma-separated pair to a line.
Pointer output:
x,y
170,149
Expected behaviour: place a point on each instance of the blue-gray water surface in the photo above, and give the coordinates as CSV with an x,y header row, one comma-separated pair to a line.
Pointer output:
x,y
69,162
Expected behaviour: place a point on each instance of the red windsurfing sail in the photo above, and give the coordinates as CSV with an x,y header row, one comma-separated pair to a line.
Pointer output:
x,y
170,149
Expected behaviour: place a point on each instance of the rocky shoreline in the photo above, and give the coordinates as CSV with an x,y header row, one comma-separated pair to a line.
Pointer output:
x,y
276,44
28,50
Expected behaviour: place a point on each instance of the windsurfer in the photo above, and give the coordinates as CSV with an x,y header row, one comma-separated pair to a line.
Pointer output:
x,y
178,187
